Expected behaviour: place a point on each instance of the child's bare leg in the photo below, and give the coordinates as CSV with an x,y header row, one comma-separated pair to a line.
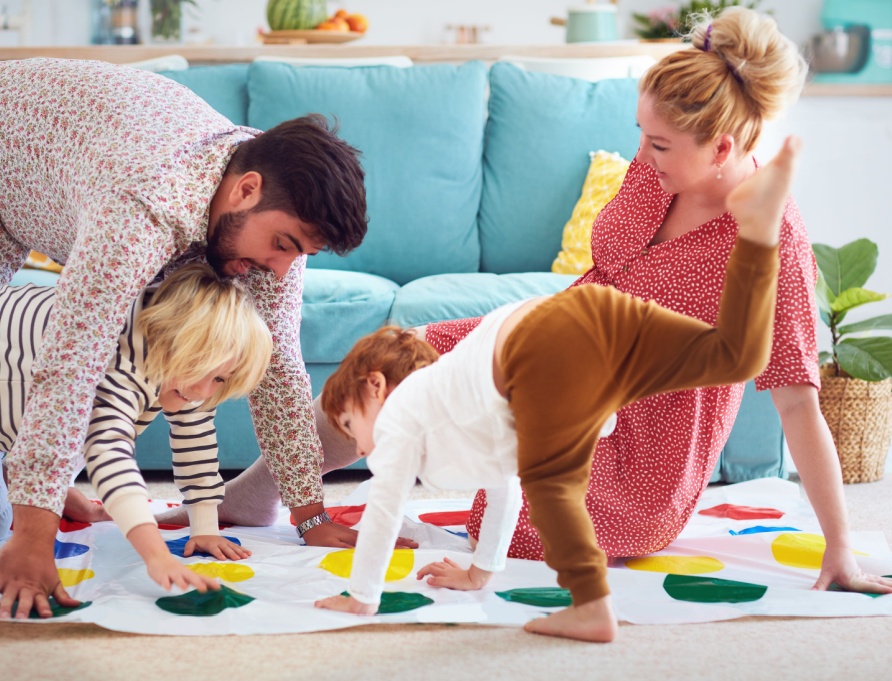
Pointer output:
x,y
758,202
593,621
79,508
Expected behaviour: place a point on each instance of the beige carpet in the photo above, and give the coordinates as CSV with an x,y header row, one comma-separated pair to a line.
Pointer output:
x,y
752,648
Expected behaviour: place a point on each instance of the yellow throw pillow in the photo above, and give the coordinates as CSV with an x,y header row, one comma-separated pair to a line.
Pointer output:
x,y
605,175
39,261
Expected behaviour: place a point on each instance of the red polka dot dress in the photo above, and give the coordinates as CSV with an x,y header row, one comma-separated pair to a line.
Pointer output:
x,y
648,475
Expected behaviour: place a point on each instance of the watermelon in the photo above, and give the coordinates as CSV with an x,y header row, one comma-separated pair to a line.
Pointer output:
x,y
295,15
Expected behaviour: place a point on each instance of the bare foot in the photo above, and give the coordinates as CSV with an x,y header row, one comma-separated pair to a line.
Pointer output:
x,y
593,621
758,202
79,508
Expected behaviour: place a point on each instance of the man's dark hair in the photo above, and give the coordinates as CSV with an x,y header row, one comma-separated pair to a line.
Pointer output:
x,y
312,174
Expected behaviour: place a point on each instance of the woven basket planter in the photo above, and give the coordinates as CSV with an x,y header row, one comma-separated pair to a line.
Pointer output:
x,y
859,415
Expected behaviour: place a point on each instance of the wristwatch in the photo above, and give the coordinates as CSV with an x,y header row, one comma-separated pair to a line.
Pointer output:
x,y
310,523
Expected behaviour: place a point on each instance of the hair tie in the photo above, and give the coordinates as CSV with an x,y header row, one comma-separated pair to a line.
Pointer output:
x,y
705,47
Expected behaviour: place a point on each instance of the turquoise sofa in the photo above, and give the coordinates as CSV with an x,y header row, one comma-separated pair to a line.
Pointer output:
x,y
471,173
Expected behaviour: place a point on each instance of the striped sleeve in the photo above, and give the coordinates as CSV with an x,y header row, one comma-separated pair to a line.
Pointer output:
x,y
196,469
121,409
109,449
24,311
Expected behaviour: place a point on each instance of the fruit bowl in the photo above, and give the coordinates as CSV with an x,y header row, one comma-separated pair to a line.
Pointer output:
x,y
309,36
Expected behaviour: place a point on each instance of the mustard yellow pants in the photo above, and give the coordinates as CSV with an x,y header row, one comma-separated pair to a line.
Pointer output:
x,y
583,354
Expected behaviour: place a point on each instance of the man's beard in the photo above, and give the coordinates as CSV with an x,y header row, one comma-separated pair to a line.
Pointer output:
x,y
221,244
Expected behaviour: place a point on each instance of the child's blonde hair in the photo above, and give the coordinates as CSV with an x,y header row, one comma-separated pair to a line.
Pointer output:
x,y
394,352
196,322
743,71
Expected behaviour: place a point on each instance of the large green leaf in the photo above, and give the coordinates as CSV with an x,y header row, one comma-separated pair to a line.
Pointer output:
x,y
881,323
869,359
846,267
824,357
824,297
855,297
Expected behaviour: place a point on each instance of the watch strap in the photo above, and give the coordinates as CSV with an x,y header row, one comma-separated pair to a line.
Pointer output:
x,y
310,523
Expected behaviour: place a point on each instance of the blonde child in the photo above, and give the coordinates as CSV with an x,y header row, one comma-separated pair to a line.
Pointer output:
x,y
187,345
511,407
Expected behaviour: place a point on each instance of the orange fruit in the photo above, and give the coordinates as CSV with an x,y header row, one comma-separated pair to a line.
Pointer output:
x,y
340,14
357,23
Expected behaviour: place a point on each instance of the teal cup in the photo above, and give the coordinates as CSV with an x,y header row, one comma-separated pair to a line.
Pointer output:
x,y
591,24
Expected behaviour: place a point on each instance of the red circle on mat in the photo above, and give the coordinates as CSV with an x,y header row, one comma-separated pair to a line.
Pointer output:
x,y
446,518
342,515
66,525
735,512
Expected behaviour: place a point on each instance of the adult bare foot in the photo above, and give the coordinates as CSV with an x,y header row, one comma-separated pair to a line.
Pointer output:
x,y
758,202
593,621
79,508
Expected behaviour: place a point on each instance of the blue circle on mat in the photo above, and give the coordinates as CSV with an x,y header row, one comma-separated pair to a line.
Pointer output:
x,y
177,546
757,529
63,549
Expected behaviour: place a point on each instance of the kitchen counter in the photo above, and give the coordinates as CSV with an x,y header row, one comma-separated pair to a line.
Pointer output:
x,y
215,54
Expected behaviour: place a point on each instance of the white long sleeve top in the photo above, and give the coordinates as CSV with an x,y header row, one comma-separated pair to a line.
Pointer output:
x,y
447,425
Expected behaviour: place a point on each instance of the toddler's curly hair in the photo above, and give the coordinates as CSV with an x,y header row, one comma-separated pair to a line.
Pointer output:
x,y
393,351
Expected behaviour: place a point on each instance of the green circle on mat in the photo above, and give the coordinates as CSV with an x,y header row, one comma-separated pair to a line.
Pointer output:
x,y
836,587
56,609
542,597
196,604
699,589
399,601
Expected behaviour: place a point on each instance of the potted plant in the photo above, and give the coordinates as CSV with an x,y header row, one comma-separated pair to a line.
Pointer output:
x,y
167,19
672,22
856,374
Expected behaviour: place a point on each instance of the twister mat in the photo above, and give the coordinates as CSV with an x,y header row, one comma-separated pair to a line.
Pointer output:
x,y
752,548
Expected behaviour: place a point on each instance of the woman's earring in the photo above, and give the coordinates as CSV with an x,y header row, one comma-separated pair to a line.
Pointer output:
x,y
719,174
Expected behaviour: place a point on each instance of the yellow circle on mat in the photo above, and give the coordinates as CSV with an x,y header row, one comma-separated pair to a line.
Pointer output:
x,y
228,572
676,565
339,563
799,550
71,577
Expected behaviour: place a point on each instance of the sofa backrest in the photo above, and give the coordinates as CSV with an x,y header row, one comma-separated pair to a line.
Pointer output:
x,y
540,131
449,189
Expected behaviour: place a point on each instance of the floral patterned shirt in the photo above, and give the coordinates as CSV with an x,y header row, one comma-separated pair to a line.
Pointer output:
x,y
111,170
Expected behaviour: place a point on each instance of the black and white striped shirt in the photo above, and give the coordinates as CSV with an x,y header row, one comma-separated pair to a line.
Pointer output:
x,y
125,404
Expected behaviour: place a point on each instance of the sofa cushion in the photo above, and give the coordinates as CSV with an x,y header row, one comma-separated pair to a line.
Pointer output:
x,y
540,130
224,87
420,130
339,308
456,296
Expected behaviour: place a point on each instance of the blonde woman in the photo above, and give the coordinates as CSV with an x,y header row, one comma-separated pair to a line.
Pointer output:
x,y
186,346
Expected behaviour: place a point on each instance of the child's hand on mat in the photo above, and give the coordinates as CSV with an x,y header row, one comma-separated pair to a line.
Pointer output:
x,y
219,547
340,537
450,575
839,567
167,571
162,567
346,604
